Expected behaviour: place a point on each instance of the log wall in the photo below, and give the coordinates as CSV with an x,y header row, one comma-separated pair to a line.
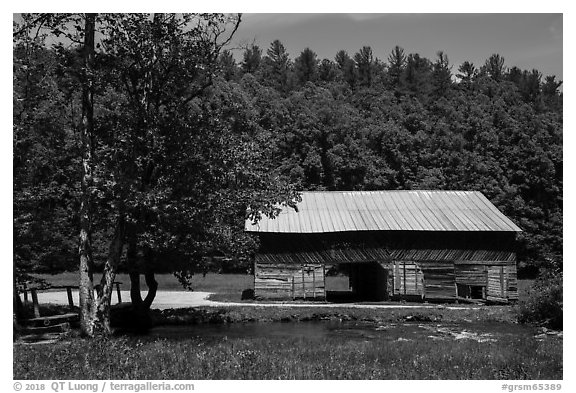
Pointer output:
x,y
290,281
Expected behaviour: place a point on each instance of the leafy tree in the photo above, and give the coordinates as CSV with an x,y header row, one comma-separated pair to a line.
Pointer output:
x,y
327,71
148,112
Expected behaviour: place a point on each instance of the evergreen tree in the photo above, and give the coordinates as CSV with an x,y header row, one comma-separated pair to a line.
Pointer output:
x,y
306,67
229,69
347,68
364,61
276,67
466,72
396,66
494,67
251,59
441,74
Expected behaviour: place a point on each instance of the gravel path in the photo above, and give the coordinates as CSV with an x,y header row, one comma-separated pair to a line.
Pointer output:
x,y
183,299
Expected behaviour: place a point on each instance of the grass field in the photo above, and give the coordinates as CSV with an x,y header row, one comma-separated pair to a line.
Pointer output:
x,y
289,358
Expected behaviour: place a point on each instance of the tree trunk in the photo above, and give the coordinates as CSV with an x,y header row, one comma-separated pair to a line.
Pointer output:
x,y
18,306
87,309
140,307
152,288
135,296
108,276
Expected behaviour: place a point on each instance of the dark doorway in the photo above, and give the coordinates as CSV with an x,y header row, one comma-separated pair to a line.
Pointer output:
x,y
353,282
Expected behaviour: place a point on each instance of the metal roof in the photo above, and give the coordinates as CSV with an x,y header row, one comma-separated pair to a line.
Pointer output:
x,y
341,211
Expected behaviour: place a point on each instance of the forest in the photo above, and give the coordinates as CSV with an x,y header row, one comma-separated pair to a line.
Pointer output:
x,y
187,133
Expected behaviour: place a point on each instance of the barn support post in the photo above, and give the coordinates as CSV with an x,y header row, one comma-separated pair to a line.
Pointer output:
x,y
324,278
314,283
404,273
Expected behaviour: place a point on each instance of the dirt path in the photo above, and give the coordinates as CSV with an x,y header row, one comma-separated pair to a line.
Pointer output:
x,y
183,299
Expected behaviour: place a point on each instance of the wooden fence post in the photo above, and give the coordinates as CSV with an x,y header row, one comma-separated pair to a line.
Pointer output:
x,y
69,293
35,303
118,292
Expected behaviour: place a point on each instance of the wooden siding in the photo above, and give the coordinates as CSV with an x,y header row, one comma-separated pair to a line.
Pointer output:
x,y
439,281
436,264
470,274
497,288
408,279
289,281
512,282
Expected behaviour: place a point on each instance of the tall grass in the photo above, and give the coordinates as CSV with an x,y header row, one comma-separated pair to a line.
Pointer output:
x,y
292,358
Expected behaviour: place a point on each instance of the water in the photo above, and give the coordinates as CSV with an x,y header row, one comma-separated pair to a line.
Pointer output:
x,y
365,331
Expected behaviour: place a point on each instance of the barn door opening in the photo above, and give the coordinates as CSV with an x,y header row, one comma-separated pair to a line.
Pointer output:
x,y
408,280
368,281
358,281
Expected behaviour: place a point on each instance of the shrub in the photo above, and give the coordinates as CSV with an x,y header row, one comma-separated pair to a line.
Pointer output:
x,y
543,305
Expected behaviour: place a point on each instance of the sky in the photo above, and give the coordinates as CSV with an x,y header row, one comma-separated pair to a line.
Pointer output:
x,y
525,40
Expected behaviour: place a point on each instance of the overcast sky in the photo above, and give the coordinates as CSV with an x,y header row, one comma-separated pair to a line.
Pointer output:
x,y
524,40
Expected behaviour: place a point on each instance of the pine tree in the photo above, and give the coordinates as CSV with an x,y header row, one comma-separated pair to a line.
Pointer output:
x,y
306,67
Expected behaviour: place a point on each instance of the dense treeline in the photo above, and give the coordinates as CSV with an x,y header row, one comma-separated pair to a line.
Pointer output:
x,y
355,122
361,123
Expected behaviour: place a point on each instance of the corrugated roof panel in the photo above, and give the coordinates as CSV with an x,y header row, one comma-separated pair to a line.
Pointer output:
x,y
478,210
363,211
325,218
463,211
414,202
389,206
448,209
341,206
407,215
458,216
497,215
375,211
432,215
337,214
357,221
324,211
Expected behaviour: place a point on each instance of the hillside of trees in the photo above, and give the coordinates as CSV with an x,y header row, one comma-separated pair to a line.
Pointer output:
x,y
357,122
183,168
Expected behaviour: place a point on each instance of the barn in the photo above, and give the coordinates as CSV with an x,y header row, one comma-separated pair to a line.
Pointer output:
x,y
413,245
